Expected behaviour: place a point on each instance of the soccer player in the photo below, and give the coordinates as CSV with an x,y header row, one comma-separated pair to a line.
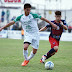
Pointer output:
x,y
31,32
54,36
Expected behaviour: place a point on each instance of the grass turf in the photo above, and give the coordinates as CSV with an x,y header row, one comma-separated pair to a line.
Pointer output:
x,y
11,57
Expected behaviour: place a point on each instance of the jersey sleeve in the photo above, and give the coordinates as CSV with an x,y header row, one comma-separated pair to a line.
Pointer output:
x,y
36,16
18,18
65,23
48,25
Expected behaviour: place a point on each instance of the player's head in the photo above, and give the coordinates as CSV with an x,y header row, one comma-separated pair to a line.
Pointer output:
x,y
27,8
58,15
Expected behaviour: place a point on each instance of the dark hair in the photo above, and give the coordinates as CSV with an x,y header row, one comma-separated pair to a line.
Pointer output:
x,y
58,13
27,5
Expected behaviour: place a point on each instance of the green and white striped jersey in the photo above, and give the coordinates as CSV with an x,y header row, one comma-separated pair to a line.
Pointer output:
x,y
29,23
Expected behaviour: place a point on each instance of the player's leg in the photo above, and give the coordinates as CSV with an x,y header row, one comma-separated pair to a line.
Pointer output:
x,y
35,45
25,53
25,50
52,51
32,54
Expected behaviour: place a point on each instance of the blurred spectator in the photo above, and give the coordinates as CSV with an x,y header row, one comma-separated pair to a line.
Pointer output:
x,y
69,28
0,21
16,25
7,15
13,18
20,28
22,33
2,16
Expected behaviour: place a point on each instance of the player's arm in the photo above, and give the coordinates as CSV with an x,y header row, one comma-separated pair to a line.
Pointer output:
x,y
64,26
38,16
12,22
43,29
9,24
52,24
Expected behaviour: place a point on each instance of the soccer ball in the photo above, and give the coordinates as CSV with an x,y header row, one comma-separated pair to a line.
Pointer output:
x,y
49,65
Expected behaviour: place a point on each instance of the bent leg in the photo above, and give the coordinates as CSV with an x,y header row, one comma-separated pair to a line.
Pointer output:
x,y
25,50
32,54
56,49
25,53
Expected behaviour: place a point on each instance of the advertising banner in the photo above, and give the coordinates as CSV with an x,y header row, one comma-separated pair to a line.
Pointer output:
x,y
14,34
3,34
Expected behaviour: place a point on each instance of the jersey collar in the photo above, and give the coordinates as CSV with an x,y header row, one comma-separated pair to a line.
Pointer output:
x,y
56,21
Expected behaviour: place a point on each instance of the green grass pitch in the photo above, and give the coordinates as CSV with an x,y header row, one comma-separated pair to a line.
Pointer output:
x,y
11,57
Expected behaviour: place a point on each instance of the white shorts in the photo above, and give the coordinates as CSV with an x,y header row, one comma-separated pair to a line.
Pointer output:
x,y
34,40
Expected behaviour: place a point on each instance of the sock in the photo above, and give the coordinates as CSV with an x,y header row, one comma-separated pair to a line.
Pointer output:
x,y
50,52
44,58
25,54
31,55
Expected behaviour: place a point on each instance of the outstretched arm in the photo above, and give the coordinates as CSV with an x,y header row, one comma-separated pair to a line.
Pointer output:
x,y
43,29
52,24
11,23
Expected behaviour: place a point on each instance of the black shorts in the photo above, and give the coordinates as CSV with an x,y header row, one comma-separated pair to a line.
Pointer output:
x,y
27,42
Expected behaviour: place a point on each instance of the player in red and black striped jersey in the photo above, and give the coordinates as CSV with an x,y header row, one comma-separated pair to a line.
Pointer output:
x,y
55,35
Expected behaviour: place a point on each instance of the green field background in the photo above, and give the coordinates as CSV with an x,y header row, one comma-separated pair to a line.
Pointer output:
x,y
11,57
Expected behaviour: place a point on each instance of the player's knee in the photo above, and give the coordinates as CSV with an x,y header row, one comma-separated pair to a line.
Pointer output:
x,y
26,47
56,48
35,51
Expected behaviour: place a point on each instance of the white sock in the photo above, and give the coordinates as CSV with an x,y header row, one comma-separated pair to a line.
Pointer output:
x,y
31,55
44,58
25,54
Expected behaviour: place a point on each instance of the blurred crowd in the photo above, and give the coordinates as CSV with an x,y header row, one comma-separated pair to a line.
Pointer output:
x,y
17,25
6,14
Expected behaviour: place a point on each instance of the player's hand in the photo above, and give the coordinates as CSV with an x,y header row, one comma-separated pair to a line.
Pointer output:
x,y
61,23
0,29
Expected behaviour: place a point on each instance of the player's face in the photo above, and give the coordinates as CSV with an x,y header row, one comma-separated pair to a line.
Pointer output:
x,y
27,10
58,17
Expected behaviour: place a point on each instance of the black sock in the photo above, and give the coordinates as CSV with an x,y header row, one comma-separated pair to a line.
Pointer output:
x,y
49,53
